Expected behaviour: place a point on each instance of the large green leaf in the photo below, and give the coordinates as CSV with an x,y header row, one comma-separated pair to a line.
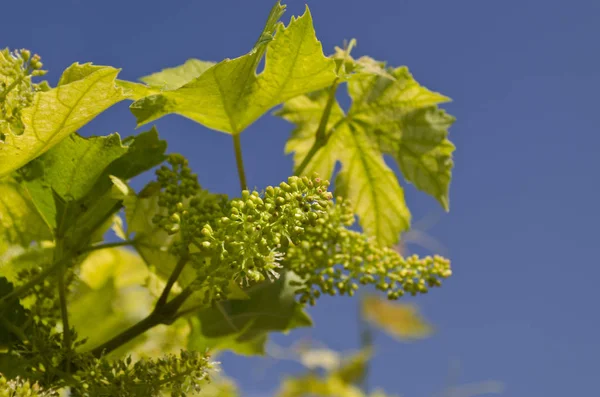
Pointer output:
x,y
230,96
20,222
372,187
242,325
402,116
84,92
390,114
71,187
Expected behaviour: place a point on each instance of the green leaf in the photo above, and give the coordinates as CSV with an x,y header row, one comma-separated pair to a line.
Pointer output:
x,y
354,368
116,291
71,187
371,186
84,92
173,78
242,325
402,116
390,114
229,96
400,320
135,91
424,152
313,385
20,222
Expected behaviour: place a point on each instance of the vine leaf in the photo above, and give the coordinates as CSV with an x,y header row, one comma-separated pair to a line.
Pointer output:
x,y
403,117
390,114
173,78
166,79
242,325
70,185
20,222
372,187
230,96
84,91
400,320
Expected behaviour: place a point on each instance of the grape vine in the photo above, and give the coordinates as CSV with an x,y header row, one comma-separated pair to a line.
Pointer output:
x,y
218,273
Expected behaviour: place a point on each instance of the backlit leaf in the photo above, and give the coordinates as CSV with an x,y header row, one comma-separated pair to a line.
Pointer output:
x,y
84,92
20,221
390,114
230,96
400,320
70,184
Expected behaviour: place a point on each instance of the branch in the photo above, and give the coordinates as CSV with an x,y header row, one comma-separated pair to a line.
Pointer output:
x,y
162,300
165,314
91,248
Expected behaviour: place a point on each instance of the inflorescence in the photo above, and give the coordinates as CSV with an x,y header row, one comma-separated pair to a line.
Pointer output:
x,y
294,226
16,89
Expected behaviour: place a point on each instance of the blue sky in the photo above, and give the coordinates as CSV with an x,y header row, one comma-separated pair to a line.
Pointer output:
x,y
524,77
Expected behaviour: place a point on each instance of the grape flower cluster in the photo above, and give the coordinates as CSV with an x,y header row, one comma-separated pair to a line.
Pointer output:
x,y
16,89
333,259
294,226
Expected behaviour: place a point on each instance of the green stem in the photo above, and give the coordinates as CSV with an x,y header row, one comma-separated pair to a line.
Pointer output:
x,y
165,314
107,245
64,314
366,343
162,300
321,137
239,161
14,329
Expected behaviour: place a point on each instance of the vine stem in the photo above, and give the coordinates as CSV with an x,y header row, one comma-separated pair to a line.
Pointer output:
x,y
164,314
321,137
366,342
239,161
62,298
162,300
107,245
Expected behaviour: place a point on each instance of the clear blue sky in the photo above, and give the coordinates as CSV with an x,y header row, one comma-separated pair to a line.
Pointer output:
x,y
522,232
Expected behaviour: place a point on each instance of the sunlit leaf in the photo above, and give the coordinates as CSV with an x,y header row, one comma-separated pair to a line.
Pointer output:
x,y
71,187
313,386
390,114
84,92
402,116
230,96
20,221
173,78
400,320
